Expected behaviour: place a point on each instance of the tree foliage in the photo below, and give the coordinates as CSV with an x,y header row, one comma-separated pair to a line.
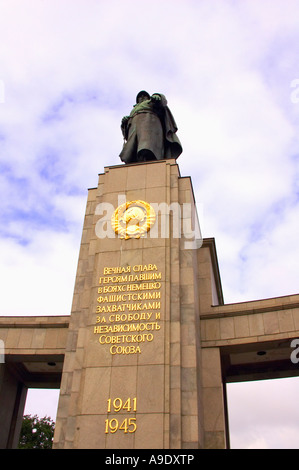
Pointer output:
x,y
36,433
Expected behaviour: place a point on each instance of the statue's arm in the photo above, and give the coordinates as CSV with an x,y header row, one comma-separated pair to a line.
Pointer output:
x,y
124,126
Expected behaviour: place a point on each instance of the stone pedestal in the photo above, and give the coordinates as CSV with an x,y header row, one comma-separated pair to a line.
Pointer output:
x,y
150,345
131,376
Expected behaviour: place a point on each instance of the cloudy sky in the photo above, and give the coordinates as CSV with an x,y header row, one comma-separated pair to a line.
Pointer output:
x,y
69,71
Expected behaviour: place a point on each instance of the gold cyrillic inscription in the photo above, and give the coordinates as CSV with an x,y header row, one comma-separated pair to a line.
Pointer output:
x,y
124,300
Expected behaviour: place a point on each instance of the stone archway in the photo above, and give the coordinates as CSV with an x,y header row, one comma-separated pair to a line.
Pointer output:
x,y
34,355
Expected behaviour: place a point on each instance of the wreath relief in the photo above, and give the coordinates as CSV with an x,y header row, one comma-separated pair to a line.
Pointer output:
x,y
133,219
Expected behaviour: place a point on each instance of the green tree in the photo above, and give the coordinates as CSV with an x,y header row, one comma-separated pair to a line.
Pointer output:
x,y
36,433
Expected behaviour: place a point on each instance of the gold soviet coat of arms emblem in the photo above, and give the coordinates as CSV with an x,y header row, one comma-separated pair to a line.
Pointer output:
x,y
133,219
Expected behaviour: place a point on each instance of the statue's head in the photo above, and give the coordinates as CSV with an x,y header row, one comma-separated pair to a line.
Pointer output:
x,y
142,94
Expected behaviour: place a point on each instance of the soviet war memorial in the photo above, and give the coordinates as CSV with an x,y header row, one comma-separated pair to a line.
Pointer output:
x,y
150,350
145,356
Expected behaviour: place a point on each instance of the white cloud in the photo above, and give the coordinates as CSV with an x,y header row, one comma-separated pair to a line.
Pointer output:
x,y
263,414
38,278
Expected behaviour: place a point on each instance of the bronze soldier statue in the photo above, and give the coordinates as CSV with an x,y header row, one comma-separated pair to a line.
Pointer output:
x,y
150,130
